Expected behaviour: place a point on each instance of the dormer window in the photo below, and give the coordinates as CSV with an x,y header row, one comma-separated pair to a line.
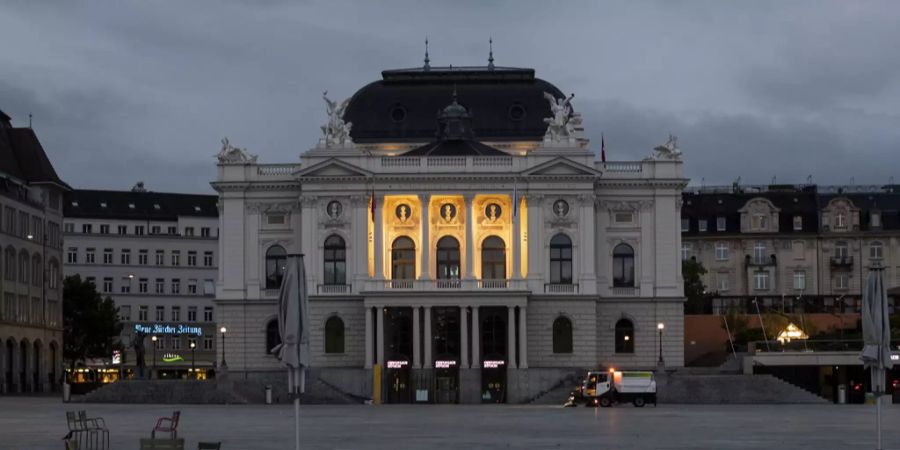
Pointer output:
x,y
759,222
103,204
197,208
798,223
685,225
75,204
156,206
840,220
131,206
720,224
701,225
875,221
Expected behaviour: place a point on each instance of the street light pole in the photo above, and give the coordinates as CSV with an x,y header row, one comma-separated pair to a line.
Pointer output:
x,y
153,338
193,368
223,330
660,326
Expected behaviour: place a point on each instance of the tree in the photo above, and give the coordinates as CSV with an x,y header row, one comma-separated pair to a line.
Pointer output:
x,y
694,289
90,322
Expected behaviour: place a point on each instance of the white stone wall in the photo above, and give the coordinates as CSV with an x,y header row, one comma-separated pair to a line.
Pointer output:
x,y
540,317
645,314
354,316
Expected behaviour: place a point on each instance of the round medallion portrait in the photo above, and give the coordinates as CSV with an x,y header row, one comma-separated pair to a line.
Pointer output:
x,y
493,211
403,212
561,208
334,209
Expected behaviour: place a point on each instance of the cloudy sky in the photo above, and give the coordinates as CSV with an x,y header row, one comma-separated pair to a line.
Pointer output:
x,y
124,91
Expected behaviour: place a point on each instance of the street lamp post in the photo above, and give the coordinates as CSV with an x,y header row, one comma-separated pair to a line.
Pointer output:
x,y
193,368
660,326
223,330
153,338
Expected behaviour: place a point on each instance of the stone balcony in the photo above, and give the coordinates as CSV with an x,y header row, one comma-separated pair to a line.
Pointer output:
x,y
443,285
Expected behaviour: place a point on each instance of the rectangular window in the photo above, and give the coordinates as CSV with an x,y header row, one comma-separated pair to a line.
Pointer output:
x,y
107,256
841,281
798,223
204,232
160,285
799,280
126,285
160,313
685,225
139,230
192,314
209,287
176,286
160,257
275,219
189,231
207,259
155,229
104,229
840,221
91,280
722,281
192,287
72,255
876,250
192,258
123,229
875,221
107,285
759,253
86,228
623,217
685,251
125,313
142,257
176,342
176,314
160,343
759,222
69,227
90,255
142,285
173,230
176,257
722,251
701,225
207,343
761,281
125,257
142,313
207,314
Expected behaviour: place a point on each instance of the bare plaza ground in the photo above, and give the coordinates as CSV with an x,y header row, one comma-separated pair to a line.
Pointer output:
x,y
39,423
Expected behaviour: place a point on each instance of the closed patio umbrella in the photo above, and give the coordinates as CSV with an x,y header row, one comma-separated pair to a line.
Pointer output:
x,y
293,327
876,353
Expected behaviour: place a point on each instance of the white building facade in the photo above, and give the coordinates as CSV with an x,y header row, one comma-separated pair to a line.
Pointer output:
x,y
156,255
458,234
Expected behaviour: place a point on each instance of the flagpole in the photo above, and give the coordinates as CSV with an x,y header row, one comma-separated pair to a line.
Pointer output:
x,y
299,378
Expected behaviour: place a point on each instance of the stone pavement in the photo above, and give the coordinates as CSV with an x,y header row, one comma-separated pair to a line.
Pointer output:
x,y
39,423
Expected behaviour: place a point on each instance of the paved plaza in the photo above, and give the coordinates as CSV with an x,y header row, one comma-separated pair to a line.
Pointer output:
x,y
39,423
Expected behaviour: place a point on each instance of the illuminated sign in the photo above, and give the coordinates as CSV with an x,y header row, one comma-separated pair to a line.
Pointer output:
x,y
117,357
895,357
171,357
444,364
158,328
494,364
397,364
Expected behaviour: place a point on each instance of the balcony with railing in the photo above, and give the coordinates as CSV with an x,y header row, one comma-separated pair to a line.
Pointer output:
x,y
842,261
333,289
560,288
760,260
413,164
626,291
443,285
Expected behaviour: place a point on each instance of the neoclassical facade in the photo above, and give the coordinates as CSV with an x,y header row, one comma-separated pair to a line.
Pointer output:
x,y
458,233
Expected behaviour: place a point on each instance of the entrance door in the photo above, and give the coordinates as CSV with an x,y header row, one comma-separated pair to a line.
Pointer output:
x,y
493,385
446,385
398,386
494,351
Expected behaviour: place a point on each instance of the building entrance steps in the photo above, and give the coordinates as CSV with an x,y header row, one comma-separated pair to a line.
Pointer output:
x,y
727,388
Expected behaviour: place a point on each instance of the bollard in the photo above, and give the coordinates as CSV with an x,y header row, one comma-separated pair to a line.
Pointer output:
x,y
842,394
268,394
67,392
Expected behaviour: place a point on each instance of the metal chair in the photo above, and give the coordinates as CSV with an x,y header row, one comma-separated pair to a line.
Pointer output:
x,y
167,425
96,427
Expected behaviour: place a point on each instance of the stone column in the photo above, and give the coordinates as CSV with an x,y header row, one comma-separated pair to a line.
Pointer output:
x,y
463,339
523,339
378,238
476,339
470,240
428,362
368,339
417,340
359,244
379,337
535,242
586,249
511,338
516,246
425,205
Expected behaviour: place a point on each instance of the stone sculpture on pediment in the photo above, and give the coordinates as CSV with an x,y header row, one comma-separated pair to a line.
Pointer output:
x,y
560,126
667,151
230,154
336,132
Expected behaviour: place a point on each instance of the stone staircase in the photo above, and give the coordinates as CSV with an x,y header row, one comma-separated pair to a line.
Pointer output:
x,y
558,393
732,388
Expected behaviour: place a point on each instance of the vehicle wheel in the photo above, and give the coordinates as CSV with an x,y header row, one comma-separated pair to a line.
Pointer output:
x,y
638,402
605,402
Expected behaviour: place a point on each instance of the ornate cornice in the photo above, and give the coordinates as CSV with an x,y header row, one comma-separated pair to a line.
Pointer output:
x,y
625,205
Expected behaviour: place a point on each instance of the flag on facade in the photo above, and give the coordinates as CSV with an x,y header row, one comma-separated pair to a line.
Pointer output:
x,y
602,148
372,202
516,198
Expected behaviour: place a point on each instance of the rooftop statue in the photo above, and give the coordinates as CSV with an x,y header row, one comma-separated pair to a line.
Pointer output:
x,y
233,155
336,132
669,150
559,125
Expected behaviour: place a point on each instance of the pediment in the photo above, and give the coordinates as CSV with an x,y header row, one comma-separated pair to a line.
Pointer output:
x,y
333,168
561,167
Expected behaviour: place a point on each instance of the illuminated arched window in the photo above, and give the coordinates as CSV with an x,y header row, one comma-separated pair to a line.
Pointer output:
x,y
448,258
403,259
493,259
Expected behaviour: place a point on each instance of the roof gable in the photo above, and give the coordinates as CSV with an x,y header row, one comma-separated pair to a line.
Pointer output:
x,y
561,166
333,167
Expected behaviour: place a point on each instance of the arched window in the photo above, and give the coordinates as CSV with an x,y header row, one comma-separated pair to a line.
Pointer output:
x,y
334,335
448,258
36,270
561,259
335,260
624,336
493,259
623,266
276,258
562,335
403,259
10,264
24,263
273,338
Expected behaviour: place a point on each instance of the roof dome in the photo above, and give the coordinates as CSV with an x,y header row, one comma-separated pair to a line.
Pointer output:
x,y
509,103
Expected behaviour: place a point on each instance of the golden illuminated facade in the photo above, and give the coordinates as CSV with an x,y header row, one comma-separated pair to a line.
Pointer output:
x,y
465,257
